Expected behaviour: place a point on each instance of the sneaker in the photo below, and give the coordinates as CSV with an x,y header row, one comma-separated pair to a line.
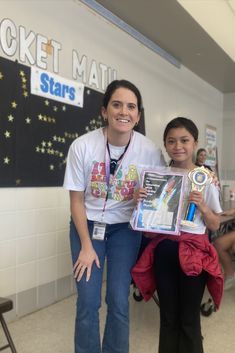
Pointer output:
x,y
229,282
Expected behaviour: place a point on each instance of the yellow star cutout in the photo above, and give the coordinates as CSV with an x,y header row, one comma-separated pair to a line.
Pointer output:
x,y
1,75
22,73
28,120
25,94
6,160
7,134
14,104
10,118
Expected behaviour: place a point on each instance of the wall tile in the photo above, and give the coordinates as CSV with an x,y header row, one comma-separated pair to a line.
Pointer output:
x,y
63,218
46,245
45,221
7,199
64,287
63,198
64,265
27,302
26,277
46,294
25,223
45,198
47,269
8,281
7,225
7,254
25,250
63,243
25,198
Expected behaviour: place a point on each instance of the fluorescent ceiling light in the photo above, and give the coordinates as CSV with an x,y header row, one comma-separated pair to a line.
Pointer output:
x,y
217,18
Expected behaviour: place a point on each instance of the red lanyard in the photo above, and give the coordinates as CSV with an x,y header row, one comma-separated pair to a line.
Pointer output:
x,y
107,166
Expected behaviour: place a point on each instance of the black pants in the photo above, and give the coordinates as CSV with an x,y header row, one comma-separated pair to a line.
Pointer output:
x,y
180,298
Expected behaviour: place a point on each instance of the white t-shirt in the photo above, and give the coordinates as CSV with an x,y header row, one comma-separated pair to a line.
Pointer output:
x,y
86,171
211,197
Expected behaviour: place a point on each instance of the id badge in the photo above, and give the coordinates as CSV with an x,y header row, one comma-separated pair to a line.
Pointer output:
x,y
99,231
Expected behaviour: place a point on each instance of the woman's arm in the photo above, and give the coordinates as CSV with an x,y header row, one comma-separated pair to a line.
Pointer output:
x,y
87,254
211,219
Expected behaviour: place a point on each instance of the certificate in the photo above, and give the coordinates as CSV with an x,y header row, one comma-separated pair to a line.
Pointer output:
x,y
160,211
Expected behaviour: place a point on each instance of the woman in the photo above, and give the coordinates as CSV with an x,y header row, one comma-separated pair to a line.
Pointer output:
x,y
180,266
201,158
102,175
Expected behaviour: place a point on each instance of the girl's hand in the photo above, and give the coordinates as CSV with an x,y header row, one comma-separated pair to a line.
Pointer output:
x,y
140,195
84,263
197,198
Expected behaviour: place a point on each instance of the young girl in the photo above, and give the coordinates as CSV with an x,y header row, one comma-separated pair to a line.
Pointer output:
x,y
180,266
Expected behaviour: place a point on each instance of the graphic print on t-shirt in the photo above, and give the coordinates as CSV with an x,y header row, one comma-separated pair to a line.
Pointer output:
x,y
121,186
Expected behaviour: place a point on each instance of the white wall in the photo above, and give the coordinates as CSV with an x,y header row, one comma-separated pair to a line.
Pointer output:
x,y
228,161
34,221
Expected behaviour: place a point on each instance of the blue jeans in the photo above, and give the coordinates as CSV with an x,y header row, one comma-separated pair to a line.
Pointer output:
x,y
121,246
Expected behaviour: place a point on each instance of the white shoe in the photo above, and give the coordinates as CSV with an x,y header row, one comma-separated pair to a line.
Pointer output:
x,y
229,282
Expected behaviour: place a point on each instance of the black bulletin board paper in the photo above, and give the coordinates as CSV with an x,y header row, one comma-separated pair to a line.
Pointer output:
x,y
35,132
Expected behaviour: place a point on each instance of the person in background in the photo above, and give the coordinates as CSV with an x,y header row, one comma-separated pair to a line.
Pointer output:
x,y
179,267
225,246
102,174
201,158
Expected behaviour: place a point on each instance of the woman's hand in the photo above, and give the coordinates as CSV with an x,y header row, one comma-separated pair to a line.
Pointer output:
x,y
139,195
84,263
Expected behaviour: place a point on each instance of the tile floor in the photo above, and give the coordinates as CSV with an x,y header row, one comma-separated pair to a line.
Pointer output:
x,y
50,330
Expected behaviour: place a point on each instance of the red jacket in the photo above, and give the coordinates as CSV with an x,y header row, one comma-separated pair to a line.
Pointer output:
x,y
195,254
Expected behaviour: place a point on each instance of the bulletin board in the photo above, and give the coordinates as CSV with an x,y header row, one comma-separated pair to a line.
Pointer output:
x,y
35,132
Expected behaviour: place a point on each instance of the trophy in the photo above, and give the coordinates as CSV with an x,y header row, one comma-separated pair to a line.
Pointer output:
x,y
199,178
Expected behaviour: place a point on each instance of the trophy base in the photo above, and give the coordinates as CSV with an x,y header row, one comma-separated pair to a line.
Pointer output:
x,y
186,223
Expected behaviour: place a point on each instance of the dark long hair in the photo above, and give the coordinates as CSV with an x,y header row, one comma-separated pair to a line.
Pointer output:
x,y
114,85
181,122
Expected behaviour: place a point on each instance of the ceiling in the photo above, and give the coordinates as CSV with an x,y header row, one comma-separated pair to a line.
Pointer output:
x,y
171,27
